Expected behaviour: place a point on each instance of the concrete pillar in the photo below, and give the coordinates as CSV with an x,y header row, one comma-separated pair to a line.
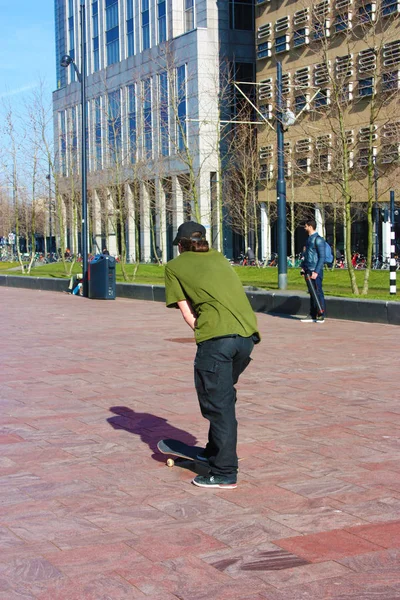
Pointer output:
x,y
161,219
130,225
111,231
145,240
386,230
96,223
178,216
265,232
319,220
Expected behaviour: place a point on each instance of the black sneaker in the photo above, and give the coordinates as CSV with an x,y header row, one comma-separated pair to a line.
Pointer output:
x,y
320,319
227,482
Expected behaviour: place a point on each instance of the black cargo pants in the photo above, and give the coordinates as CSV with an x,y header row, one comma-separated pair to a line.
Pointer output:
x,y
217,367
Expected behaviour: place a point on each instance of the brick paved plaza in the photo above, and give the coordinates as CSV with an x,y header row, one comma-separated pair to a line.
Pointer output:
x,y
90,511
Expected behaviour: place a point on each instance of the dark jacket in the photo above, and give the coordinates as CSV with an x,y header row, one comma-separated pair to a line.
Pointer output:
x,y
314,255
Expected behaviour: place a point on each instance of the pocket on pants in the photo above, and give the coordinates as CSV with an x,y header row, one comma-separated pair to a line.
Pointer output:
x,y
205,375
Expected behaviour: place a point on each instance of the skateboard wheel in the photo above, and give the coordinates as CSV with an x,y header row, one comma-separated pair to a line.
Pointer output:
x,y
170,462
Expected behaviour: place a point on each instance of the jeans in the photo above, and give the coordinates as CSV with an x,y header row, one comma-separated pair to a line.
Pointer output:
x,y
217,367
317,283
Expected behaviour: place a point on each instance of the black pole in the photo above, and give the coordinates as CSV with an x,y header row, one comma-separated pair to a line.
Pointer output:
x,y
281,185
392,207
84,231
48,177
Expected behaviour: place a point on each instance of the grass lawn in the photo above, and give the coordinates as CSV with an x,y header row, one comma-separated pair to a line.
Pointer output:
x,y
336,283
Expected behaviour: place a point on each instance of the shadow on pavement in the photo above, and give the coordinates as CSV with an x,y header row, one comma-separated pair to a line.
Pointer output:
x,y
150,428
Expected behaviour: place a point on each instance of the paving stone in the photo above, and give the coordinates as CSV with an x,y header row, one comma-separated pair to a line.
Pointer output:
x,y
89,511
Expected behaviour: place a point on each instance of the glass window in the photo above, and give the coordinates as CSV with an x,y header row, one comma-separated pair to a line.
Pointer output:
x,y
63,144
112,31
145,25
132,138
114,126
390,81
162,20
147,119
95,38
189,15
97,133
390,7
241,15
300,37
164,121
366,87
181,106
130,29
282,44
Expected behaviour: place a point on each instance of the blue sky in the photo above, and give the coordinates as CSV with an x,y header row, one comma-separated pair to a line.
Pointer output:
x,y
27,47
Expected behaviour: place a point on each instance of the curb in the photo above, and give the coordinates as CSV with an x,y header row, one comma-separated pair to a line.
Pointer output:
x,y
280,303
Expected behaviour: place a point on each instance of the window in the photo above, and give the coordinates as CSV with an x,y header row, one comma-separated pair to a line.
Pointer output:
x,y
303,145
367,60
367,13
132,137
145,25
367,134
189,15
114,126
163,107
95,38
265,89
97,133
390,153
342,22
391,54
390,7
63,144
321,22
325,162
303,165
130,28
321,73
282,44
162,20
181,106
71,37
323,98
147,119
301,37
365,154
302,77
112,32
346,92
73,134
301,102
264,50
390,81
366,87
264,31
344,66
241,15
301,17
267,111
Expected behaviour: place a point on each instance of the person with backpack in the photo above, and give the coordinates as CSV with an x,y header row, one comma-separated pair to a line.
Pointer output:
x,y
317,253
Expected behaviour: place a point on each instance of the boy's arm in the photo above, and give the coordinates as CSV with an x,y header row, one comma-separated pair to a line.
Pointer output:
x,y
188,313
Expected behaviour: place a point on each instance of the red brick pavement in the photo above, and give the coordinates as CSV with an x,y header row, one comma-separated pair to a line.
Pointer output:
x,y
89,511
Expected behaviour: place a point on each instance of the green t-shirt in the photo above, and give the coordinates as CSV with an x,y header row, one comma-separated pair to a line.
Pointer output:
x,y
215,292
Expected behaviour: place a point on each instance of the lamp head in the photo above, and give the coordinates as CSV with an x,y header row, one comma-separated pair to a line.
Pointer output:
x,y
66,60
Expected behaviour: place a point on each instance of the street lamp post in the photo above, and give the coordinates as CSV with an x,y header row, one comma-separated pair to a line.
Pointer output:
x,y
376,209
281,184
66,61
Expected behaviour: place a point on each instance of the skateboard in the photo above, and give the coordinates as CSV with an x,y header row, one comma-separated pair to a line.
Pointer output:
x,y
313,293
179,450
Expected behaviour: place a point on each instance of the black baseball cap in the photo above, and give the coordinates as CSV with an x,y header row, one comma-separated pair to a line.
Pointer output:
x,y
187,229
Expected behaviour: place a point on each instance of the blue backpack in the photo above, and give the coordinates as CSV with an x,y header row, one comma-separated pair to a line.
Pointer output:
x,y
328,252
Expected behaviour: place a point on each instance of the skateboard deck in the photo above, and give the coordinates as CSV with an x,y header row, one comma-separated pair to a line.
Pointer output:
x,y
313,293
179,450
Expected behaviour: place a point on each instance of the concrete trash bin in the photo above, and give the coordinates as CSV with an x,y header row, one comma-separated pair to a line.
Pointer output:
x,y
101,278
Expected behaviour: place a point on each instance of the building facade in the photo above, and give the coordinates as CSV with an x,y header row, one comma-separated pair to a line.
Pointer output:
x,y
341,81
154,76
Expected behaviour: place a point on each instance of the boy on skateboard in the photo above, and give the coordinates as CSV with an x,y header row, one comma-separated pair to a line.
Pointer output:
x,y
211,298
